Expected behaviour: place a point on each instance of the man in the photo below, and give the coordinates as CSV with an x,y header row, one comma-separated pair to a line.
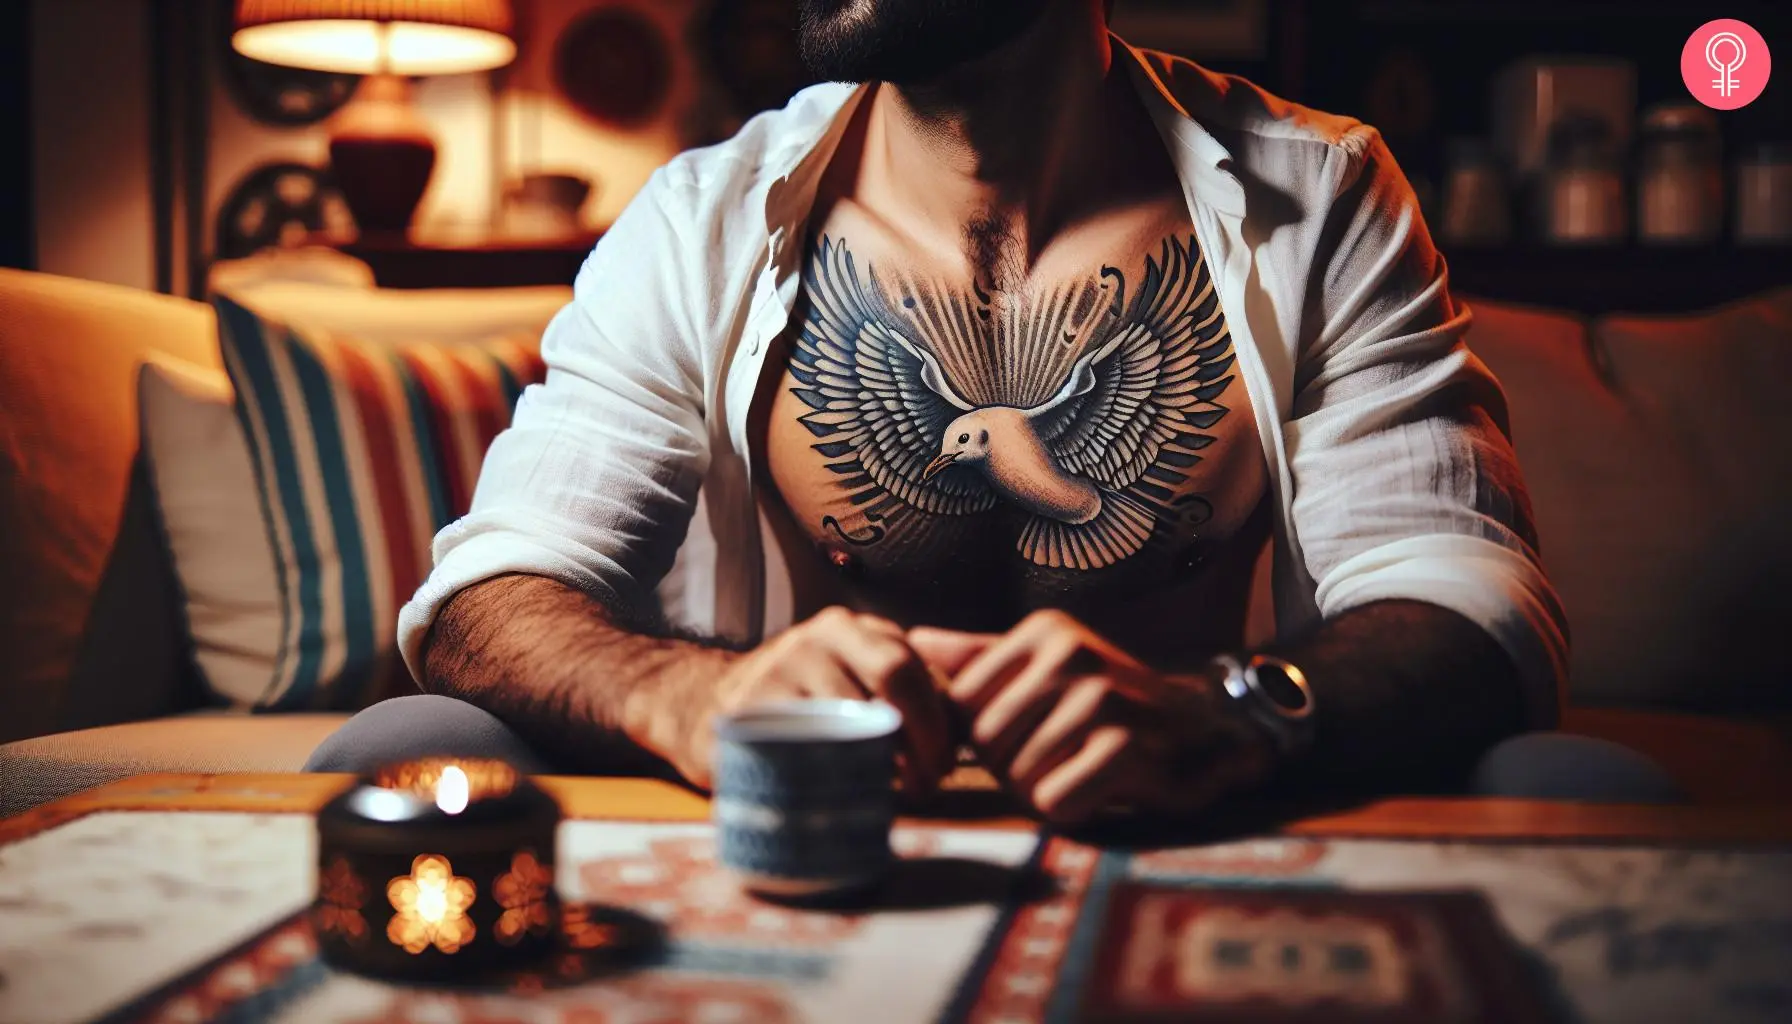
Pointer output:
x,y
992,375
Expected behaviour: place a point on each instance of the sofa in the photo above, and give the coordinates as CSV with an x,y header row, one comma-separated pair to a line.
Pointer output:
x,y
1656,450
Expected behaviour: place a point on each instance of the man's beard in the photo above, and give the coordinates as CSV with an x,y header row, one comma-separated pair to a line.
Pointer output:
x,y
905,42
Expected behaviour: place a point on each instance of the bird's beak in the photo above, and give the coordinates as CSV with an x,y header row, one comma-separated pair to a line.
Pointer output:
x,y
939,463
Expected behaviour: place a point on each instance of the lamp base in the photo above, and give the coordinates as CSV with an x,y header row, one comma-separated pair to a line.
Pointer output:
x,y
383,154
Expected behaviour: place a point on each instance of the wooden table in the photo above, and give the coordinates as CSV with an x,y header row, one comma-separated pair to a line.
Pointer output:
x,y
167,912
650,800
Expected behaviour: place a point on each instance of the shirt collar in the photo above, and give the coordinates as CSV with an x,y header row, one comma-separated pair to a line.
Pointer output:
x,y
1202,162
802,164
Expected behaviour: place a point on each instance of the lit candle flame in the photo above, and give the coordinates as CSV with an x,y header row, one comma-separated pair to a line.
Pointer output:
x,y
452,790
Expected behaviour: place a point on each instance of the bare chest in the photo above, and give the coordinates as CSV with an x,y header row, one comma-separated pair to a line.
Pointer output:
x,y
946,454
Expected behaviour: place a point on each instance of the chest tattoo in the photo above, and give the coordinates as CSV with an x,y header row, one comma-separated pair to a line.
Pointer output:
x,y
1082,408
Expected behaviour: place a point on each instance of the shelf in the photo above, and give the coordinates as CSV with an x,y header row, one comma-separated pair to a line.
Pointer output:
x,y
401,263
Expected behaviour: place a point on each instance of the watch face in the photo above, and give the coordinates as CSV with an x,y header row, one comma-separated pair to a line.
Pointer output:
x,y
1275,683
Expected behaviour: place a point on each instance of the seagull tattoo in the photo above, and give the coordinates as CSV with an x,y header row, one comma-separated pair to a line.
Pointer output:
x,y
1082,408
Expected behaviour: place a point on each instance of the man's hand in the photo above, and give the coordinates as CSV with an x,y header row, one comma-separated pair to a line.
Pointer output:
x,y
836,654
1078,727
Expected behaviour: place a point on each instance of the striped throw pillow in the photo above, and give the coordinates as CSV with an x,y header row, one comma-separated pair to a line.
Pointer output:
x,y
362,451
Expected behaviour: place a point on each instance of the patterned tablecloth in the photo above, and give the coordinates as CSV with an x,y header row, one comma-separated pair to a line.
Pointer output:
x,y
194,916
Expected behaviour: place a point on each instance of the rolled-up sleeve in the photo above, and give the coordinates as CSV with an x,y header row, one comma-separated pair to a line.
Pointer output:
x,y
594,481
1405,481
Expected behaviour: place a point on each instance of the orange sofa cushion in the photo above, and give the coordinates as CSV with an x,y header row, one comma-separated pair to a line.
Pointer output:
x,y
69,352
1655,449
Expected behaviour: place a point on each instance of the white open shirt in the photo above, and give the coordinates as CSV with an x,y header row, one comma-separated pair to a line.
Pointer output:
x,y
628,473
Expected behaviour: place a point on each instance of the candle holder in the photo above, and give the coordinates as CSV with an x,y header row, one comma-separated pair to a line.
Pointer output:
x,y
438,870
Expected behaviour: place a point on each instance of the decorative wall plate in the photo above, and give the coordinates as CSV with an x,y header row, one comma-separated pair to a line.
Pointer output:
x,y
291,97
275,204
614,64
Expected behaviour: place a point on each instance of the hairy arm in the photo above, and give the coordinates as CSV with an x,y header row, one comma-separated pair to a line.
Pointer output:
x,y
1406,693
589,693
533,609
595,693
1433,629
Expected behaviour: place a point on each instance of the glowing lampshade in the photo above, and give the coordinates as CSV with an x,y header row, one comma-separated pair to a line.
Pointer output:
x,y
364,37
382,151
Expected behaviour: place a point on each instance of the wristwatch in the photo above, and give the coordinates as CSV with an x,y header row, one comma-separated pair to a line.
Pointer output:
x,y
1274,694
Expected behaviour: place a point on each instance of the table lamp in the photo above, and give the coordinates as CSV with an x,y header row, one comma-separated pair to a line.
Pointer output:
x,y
381,150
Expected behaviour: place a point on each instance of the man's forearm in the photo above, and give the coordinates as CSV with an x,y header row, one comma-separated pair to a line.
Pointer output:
x,y
558,667
1408,695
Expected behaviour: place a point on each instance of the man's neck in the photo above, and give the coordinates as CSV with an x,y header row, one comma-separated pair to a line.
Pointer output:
x,y
1006,146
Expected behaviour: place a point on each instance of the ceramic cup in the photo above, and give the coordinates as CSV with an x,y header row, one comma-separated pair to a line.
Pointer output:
x,y
805,795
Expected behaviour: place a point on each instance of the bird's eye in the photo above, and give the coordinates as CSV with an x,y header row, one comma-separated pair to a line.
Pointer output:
x,y
983,437
962,438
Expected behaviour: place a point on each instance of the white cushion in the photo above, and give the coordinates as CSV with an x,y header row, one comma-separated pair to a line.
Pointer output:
x,y
211,517
199,463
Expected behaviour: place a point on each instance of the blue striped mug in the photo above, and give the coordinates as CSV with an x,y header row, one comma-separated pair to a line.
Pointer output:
x,y
804,795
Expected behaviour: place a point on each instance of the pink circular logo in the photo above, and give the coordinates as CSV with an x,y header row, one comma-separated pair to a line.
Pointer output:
x,y
1725,64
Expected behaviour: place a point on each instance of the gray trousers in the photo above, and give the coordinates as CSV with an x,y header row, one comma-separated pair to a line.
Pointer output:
x,y
1537,766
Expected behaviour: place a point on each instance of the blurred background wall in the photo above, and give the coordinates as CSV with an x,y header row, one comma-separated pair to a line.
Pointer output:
x,y
134,108
89,63
148,148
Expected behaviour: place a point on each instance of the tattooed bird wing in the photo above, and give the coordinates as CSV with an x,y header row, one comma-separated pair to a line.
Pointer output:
x,y
1137,408
879,403
1132,416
